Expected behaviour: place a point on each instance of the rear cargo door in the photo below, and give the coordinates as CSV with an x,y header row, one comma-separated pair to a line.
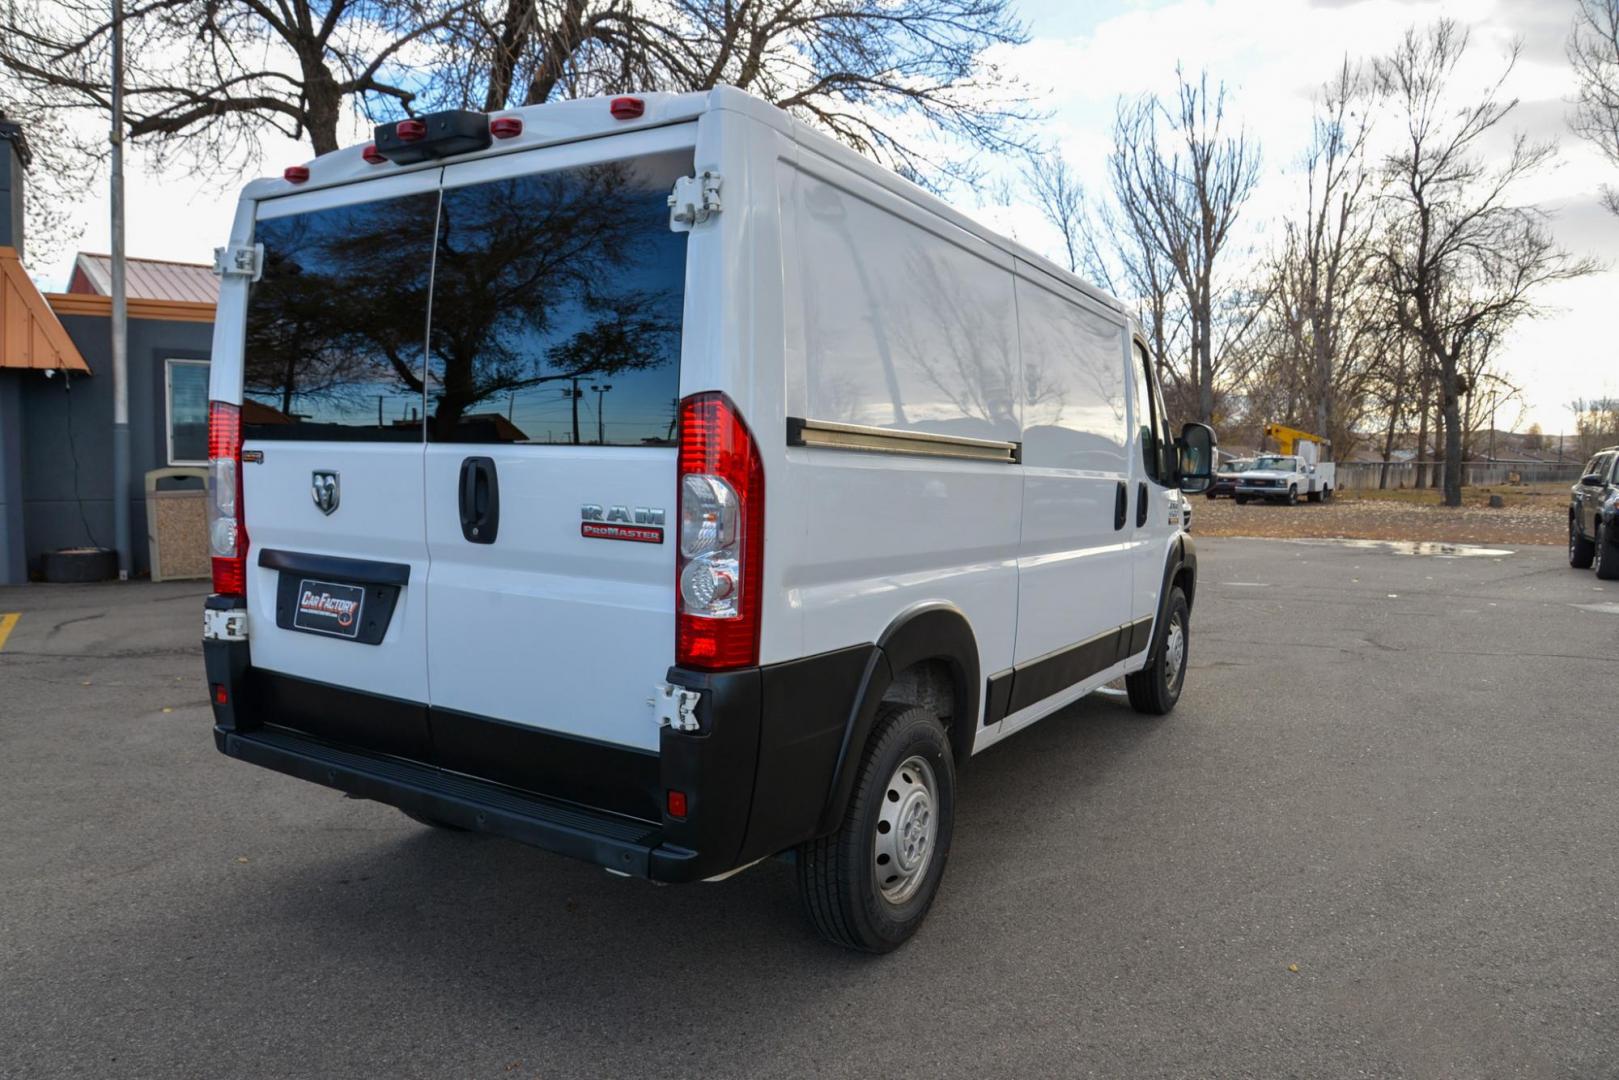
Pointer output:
x,y
554,373
332,436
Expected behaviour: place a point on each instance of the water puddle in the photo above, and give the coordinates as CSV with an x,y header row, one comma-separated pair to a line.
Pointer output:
x,y
1413,547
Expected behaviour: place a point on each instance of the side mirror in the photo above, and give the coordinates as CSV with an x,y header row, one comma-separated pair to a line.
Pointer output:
x,y
1195,454
1592,480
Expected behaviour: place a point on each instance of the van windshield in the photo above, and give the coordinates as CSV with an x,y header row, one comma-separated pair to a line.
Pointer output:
x,y
556,301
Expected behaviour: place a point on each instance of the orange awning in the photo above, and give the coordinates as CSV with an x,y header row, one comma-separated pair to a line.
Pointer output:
x,y
31,336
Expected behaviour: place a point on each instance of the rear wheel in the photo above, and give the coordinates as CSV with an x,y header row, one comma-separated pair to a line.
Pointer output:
x,y
1605,557
1156,688
1326,494
1581,551
869,885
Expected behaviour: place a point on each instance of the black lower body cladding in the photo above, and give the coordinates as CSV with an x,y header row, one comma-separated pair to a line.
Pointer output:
x,y
756,775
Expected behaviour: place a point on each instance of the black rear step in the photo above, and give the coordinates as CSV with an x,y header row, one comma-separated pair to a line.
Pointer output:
x,y
619,843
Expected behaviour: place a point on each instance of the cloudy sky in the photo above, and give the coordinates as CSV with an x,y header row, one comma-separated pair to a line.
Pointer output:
x,y
1272,54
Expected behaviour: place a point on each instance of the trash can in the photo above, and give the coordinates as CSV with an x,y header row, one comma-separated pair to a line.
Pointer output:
x,y
177,522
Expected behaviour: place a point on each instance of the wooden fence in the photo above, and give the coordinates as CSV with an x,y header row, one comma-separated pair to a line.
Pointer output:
x,y
1367,475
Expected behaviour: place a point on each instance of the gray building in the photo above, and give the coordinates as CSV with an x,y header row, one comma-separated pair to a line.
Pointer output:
x,y
56,390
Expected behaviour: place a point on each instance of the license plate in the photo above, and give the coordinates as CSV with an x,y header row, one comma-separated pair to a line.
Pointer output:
x,y
326,607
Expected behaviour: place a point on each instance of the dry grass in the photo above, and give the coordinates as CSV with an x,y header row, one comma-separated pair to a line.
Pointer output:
x,y
1534,514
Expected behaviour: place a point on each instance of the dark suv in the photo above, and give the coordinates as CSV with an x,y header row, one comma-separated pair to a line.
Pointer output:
x,y
1593,517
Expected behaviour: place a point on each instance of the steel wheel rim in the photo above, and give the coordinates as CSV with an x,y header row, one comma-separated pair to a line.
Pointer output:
x,y
907,830
1174,652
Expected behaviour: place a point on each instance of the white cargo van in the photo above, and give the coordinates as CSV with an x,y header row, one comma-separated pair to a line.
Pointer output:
x,y
658,482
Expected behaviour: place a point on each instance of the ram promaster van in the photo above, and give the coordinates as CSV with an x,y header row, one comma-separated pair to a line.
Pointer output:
x,y
656,481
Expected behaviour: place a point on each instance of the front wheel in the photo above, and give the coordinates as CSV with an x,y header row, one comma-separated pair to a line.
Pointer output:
x,y
1605,556
1293,496
1156,688
1581,552
1242,500
869,885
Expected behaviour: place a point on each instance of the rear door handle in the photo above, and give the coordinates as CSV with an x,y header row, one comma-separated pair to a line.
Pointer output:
x,y
1121,506
479,497
1141,505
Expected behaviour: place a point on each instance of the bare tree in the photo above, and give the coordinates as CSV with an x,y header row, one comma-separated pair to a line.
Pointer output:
x,y
1181,181
884,78
55,184
1593,49
210,76
1460,256
1325,292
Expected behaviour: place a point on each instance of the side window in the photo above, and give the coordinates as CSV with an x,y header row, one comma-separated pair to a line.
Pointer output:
x,y
335,326
557,303
1592,466
1074,414
1147,414
186,394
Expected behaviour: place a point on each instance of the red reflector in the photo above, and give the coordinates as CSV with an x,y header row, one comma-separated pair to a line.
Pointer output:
x,y
505,127
371,156
221,695
295,174
677,804
627,108
410,130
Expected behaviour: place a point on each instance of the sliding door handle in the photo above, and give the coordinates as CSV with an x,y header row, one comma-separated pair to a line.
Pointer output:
x,y
1121,505
479,497
1141,505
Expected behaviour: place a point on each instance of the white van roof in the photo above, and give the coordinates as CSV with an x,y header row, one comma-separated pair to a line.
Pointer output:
x,y
584,118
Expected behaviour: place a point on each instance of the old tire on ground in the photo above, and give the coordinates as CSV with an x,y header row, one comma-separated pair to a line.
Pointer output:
x,y
1580,550
1605,553
1293,495
431,821
869,885
1156,688
77,565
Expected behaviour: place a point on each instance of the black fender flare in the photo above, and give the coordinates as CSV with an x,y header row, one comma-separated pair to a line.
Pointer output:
x,y
933,631
1180,568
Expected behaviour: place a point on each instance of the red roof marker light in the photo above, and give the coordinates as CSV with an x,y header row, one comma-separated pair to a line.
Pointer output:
x,y
295,174
371,156
410,130
627,108
506,127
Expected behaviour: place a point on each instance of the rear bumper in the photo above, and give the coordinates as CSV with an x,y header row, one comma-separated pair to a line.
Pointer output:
x,y
756,774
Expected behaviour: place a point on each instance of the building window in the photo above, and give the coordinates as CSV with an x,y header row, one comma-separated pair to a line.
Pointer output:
x,y
186,383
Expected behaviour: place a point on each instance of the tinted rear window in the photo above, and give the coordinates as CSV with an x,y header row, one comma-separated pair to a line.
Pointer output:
x,y
557,304
337,324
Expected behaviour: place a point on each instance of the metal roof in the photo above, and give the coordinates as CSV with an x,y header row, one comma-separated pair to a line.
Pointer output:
x,y
31,336
149,279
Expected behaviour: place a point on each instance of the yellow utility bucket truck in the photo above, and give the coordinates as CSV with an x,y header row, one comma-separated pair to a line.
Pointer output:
x,y
1296,468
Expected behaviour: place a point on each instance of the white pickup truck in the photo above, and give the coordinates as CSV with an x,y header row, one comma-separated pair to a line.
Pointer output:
x,y
1284,477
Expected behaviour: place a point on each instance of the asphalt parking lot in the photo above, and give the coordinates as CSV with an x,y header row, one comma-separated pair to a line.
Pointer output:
x,y
1377,838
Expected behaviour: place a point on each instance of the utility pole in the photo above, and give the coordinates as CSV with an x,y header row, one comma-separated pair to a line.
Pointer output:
x,y
120,311
574,396
601,431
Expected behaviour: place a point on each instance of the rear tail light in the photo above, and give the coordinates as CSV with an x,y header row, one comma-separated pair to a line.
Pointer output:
x,y
227,538
627,108
720,562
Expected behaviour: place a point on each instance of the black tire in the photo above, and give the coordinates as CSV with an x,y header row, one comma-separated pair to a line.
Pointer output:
x,y
1212,496
1581,552
1242,500
1156,688
1605,553
1326,494
837,874
1293,495
431,821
